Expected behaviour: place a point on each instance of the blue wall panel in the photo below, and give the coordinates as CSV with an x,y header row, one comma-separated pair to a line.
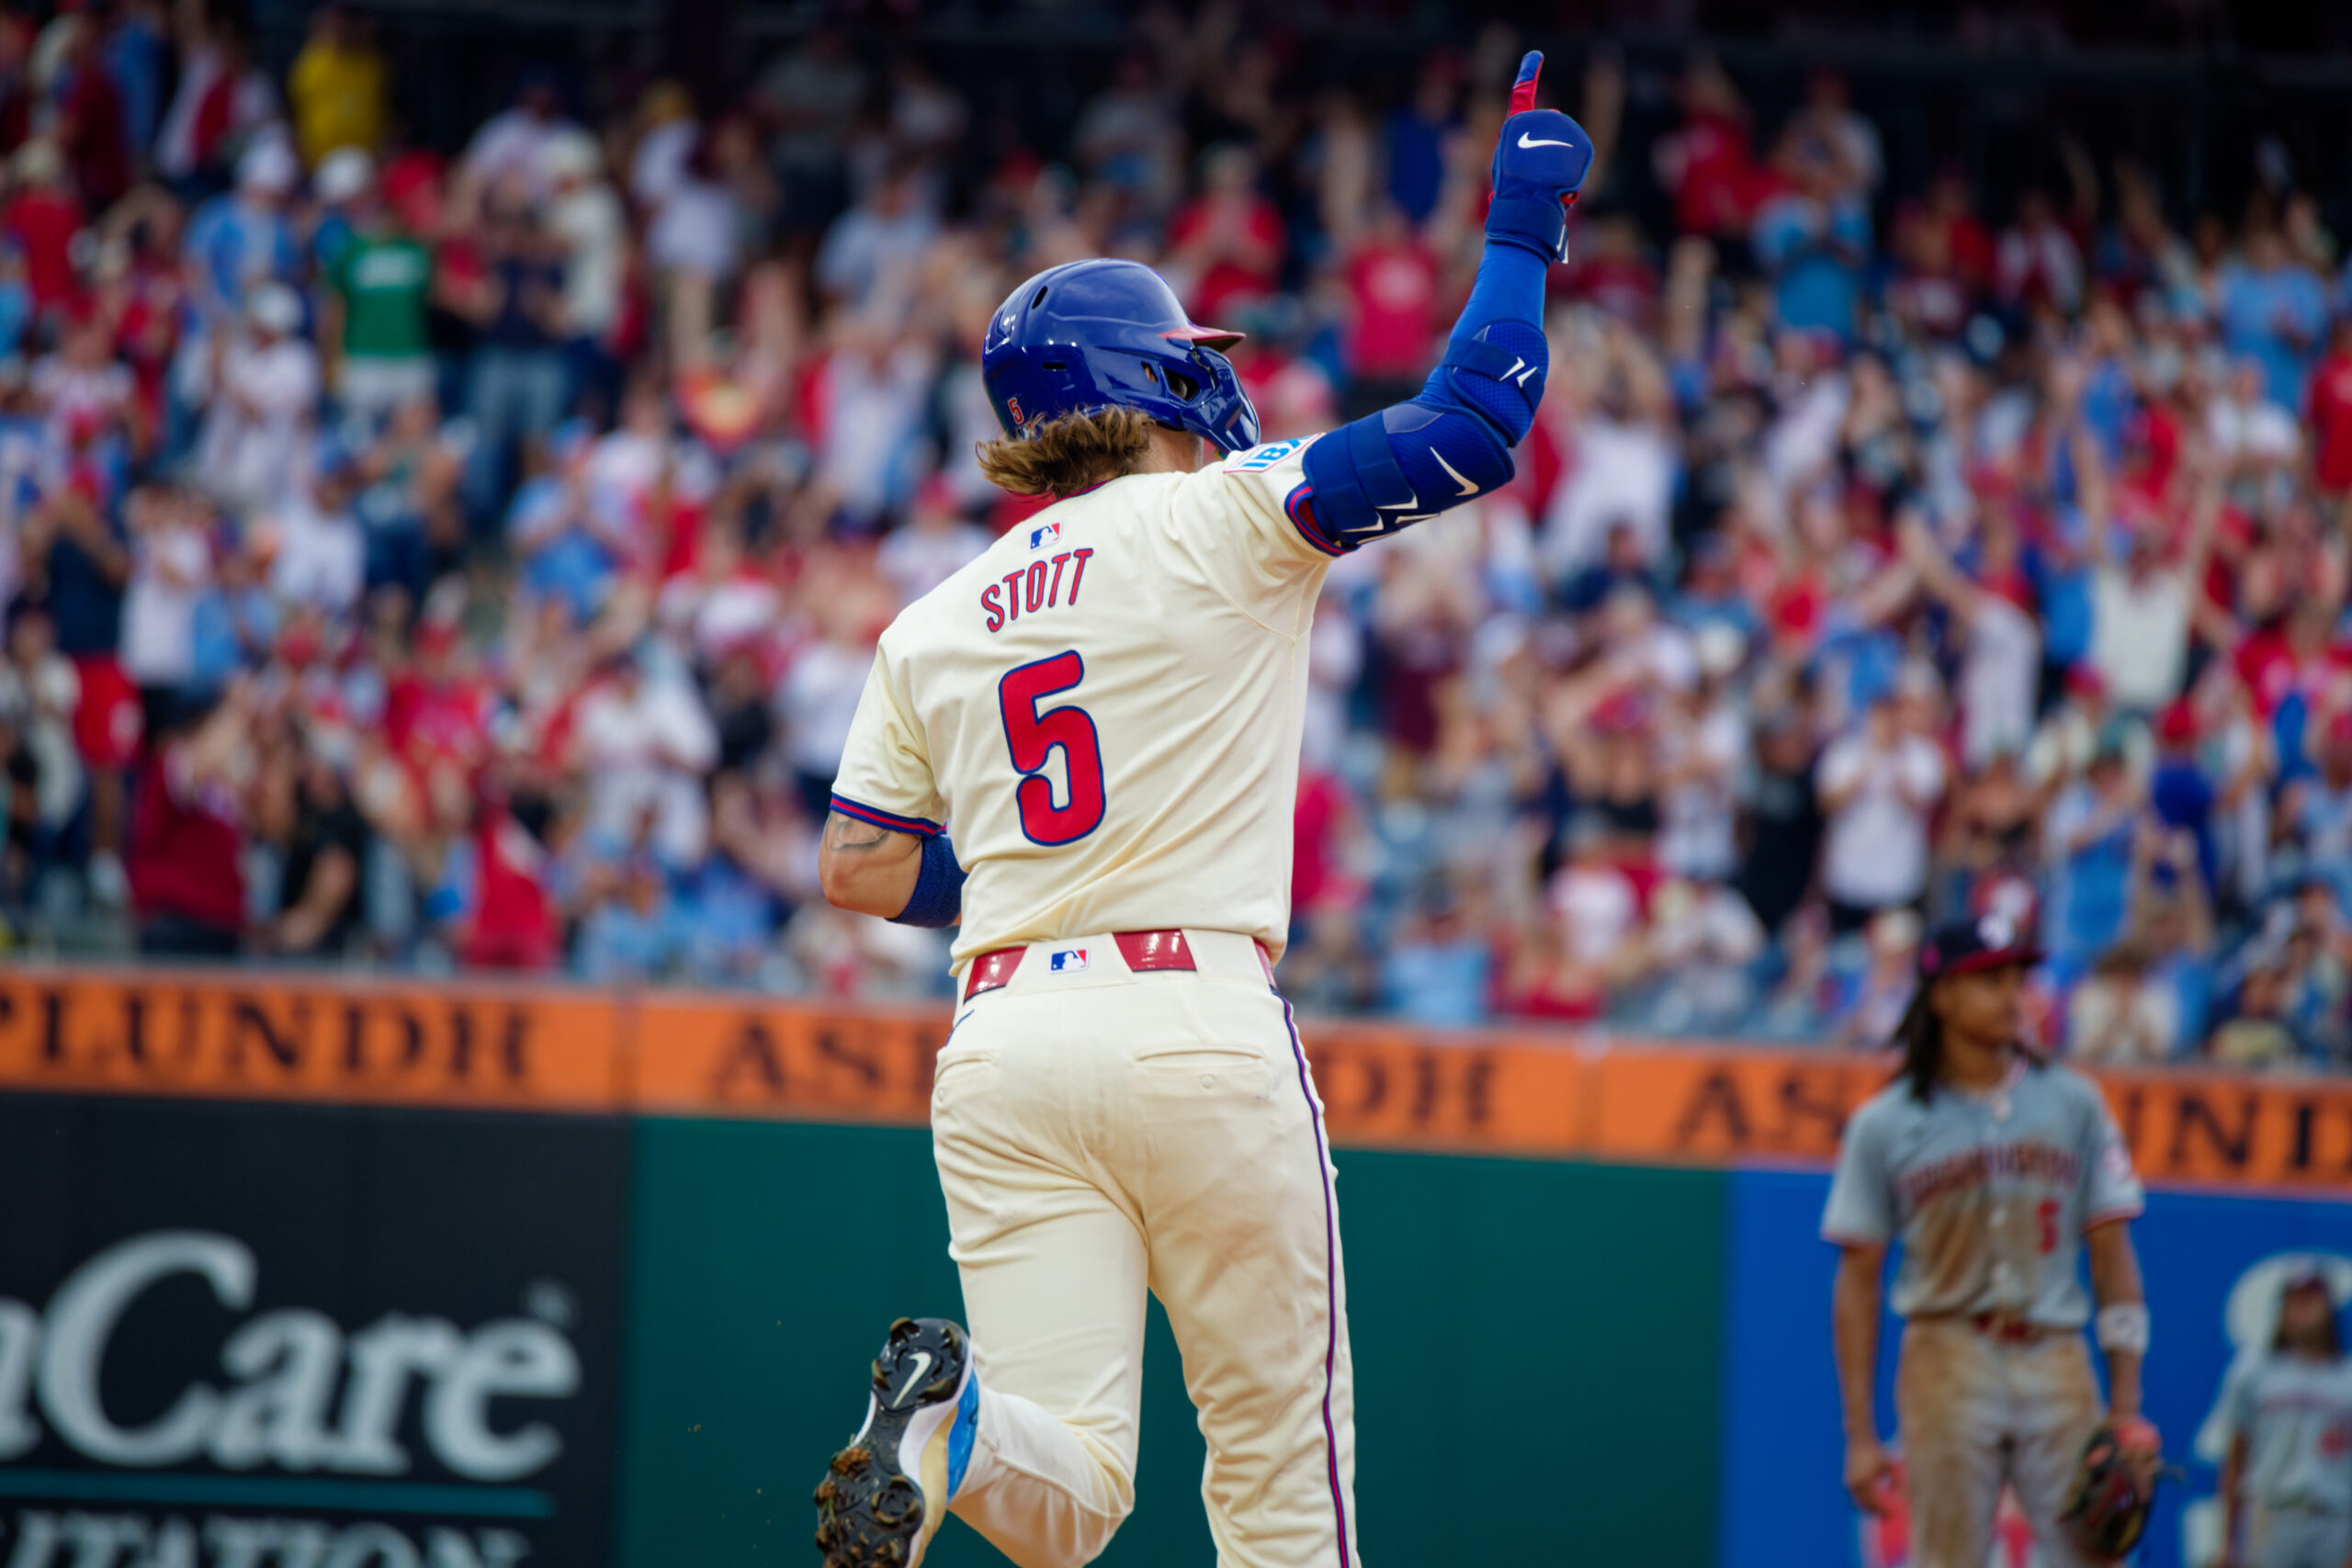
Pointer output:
x,y
1781,1447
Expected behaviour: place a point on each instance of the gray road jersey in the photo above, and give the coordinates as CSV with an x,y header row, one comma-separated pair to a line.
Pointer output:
x,y
2295,1414
1988,1193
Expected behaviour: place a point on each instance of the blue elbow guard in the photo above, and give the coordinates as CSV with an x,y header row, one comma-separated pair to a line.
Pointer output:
x,y
1497,372
1388,471
938,897
1413,460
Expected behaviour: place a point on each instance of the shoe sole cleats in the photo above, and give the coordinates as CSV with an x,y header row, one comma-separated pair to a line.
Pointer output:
x,y
871,1508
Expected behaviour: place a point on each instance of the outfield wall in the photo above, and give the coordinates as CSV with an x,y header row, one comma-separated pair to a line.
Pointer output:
x,y
369,1275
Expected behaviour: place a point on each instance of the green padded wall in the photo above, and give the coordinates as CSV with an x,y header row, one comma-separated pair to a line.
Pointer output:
x,y
1536,1350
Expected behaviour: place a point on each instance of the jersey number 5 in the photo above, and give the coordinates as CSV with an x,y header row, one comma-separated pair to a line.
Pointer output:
x,y
1030,737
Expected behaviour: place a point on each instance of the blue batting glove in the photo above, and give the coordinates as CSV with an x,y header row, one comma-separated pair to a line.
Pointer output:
x,y
1540,164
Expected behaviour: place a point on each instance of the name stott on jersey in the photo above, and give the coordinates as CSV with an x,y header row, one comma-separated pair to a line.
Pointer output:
x,y
2295,1413
1990,1194
1108,706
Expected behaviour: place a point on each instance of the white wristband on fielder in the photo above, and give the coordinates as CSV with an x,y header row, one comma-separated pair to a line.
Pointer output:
x,y
2124,1326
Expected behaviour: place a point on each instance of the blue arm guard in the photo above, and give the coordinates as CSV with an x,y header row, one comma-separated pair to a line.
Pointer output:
x,y
1412,460
938,898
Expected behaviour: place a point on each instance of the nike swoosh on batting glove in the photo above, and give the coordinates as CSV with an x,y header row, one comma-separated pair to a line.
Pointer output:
x,y
1539,163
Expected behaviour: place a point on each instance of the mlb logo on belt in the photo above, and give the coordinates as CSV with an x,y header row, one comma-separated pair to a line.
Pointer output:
x,y
1044,534
1066,959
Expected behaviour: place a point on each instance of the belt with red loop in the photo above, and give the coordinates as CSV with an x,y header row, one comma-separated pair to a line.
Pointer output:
x,y
1145,952
2008,1328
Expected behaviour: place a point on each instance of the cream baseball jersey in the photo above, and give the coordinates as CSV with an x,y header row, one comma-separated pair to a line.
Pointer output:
x,y
1105,710
1990,1194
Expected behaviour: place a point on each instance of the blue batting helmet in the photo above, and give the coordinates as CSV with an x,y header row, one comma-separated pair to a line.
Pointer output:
x,y
1089,335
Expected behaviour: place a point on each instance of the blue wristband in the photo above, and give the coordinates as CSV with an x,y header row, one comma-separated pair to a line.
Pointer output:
x,y
1539,227
938,897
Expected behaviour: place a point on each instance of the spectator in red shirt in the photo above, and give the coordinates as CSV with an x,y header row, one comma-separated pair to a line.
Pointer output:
x,y
1607,266
1945,257
139,294
2297,657
91,125
433,713
1316,872
509,922
2039,262
1392,278
1227,241
185,857
42,217
2331,415
1710,163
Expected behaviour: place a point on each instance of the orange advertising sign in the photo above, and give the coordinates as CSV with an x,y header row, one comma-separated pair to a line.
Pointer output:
x,y
749,1056
264,1036
249,1035
1718,1105
1711,1107
1395,1087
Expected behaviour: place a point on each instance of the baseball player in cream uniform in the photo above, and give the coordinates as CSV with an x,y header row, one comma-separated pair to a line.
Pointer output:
x,y
2286,1483
1105,710
1998,1172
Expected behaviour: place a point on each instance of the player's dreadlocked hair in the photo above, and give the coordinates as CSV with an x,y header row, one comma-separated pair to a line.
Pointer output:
x,y
1067,454
1921,1036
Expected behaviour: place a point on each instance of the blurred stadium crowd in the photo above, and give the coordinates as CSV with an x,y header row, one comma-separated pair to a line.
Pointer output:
x,y
475,560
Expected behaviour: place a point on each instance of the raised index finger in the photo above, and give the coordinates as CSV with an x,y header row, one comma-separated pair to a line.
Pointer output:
x,y
1522,89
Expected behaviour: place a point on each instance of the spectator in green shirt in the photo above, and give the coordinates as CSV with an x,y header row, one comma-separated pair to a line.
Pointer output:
x,y
377,289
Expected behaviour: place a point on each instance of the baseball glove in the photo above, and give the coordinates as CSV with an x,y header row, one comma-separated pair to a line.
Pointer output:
x,y
2107,1506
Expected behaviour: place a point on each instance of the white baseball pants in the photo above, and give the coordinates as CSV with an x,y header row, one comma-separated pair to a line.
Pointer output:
x,y
1101,1132
1976,1411
2296,1538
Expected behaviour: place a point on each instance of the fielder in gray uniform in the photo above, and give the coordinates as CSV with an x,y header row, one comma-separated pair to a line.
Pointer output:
x,y
2287,1483
1997,1170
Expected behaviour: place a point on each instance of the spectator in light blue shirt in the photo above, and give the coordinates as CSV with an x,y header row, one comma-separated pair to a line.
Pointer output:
x,y
240,240
234,243
1812,239
2089,837
1440,973
635,933
551,531
234,624
2274,311
730,917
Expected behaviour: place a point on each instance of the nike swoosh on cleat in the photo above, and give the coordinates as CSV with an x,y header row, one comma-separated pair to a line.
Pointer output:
x,y
914,1379
1526,141
1467,487
1405,505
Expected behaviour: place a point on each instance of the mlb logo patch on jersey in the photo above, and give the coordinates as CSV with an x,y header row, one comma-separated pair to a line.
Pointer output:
x,y
1044,534
1260,459
1066,961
